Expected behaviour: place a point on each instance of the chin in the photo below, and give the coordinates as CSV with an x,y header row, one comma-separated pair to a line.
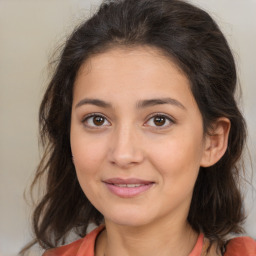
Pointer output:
x,y
129,222
129,218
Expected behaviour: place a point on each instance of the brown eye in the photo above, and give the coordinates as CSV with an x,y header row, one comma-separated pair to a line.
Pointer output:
x,y
159,120
94,121
98,120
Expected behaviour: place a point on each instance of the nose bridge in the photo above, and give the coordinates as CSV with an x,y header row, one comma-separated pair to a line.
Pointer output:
x,y
125,149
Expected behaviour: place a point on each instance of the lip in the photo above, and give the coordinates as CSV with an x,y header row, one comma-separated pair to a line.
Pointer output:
x,y
127,188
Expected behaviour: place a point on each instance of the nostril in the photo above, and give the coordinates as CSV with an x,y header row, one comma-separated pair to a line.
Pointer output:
x,y
124,149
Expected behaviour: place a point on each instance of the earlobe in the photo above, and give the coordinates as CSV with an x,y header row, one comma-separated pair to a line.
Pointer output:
x,y
216,142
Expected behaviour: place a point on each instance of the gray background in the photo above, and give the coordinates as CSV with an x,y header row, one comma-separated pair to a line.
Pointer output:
x,y
29,32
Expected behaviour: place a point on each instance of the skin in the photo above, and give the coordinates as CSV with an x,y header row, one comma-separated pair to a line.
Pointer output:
x,y
129,143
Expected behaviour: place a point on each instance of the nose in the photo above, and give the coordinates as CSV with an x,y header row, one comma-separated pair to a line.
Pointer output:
x,y
125,149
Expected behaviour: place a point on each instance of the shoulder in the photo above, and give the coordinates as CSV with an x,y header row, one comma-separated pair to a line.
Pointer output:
x,y
66,250
241,246
84,246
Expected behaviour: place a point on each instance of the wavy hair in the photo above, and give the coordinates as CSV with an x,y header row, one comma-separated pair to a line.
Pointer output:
x,y
191,38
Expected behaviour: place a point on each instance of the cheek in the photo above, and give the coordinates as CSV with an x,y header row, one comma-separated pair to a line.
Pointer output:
x,y
178,156
178,167
88,152
88,157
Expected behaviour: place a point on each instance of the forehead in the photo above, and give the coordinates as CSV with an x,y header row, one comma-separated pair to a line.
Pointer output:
x,y
138,72
130,55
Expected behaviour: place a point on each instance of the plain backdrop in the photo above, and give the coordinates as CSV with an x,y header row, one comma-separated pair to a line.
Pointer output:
x,y
30,30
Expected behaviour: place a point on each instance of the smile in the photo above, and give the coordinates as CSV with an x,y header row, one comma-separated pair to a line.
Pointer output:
x,y
127,188
128,185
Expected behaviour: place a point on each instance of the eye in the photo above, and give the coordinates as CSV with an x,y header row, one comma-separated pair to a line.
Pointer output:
x,y
95,120
159,120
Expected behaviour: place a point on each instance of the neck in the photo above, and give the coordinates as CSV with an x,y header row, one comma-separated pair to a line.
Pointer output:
x,y
165,239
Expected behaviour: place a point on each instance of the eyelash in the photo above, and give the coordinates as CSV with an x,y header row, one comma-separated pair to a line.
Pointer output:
x,y
166,117
152,116
92,115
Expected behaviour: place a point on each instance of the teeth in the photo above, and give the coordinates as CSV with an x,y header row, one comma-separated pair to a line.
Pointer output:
x,y
128,185
133,185
121,185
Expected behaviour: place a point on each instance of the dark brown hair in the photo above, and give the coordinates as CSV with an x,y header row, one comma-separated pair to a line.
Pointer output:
x,y
190,37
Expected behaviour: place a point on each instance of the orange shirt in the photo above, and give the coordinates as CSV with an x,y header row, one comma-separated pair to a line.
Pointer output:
x,y
239,246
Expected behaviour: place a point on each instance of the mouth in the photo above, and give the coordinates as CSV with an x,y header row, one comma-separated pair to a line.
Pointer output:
x,y
127,188
128,185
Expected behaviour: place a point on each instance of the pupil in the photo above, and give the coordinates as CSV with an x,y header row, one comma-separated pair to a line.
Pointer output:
x,y
159,120
98,120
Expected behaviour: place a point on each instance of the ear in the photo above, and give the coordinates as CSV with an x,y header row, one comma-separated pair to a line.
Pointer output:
x,y
216,142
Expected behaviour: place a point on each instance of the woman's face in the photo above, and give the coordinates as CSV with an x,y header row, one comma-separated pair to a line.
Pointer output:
x,y
136,136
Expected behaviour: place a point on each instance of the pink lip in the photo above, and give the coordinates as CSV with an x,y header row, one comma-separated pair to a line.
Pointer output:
x,y
127,181
126,192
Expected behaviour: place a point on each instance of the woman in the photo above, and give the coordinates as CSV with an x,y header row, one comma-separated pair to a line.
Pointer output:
x,y
143,137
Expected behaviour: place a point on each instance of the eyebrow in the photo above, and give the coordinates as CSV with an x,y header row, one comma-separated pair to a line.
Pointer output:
x,y
140,104
160,101
96,102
